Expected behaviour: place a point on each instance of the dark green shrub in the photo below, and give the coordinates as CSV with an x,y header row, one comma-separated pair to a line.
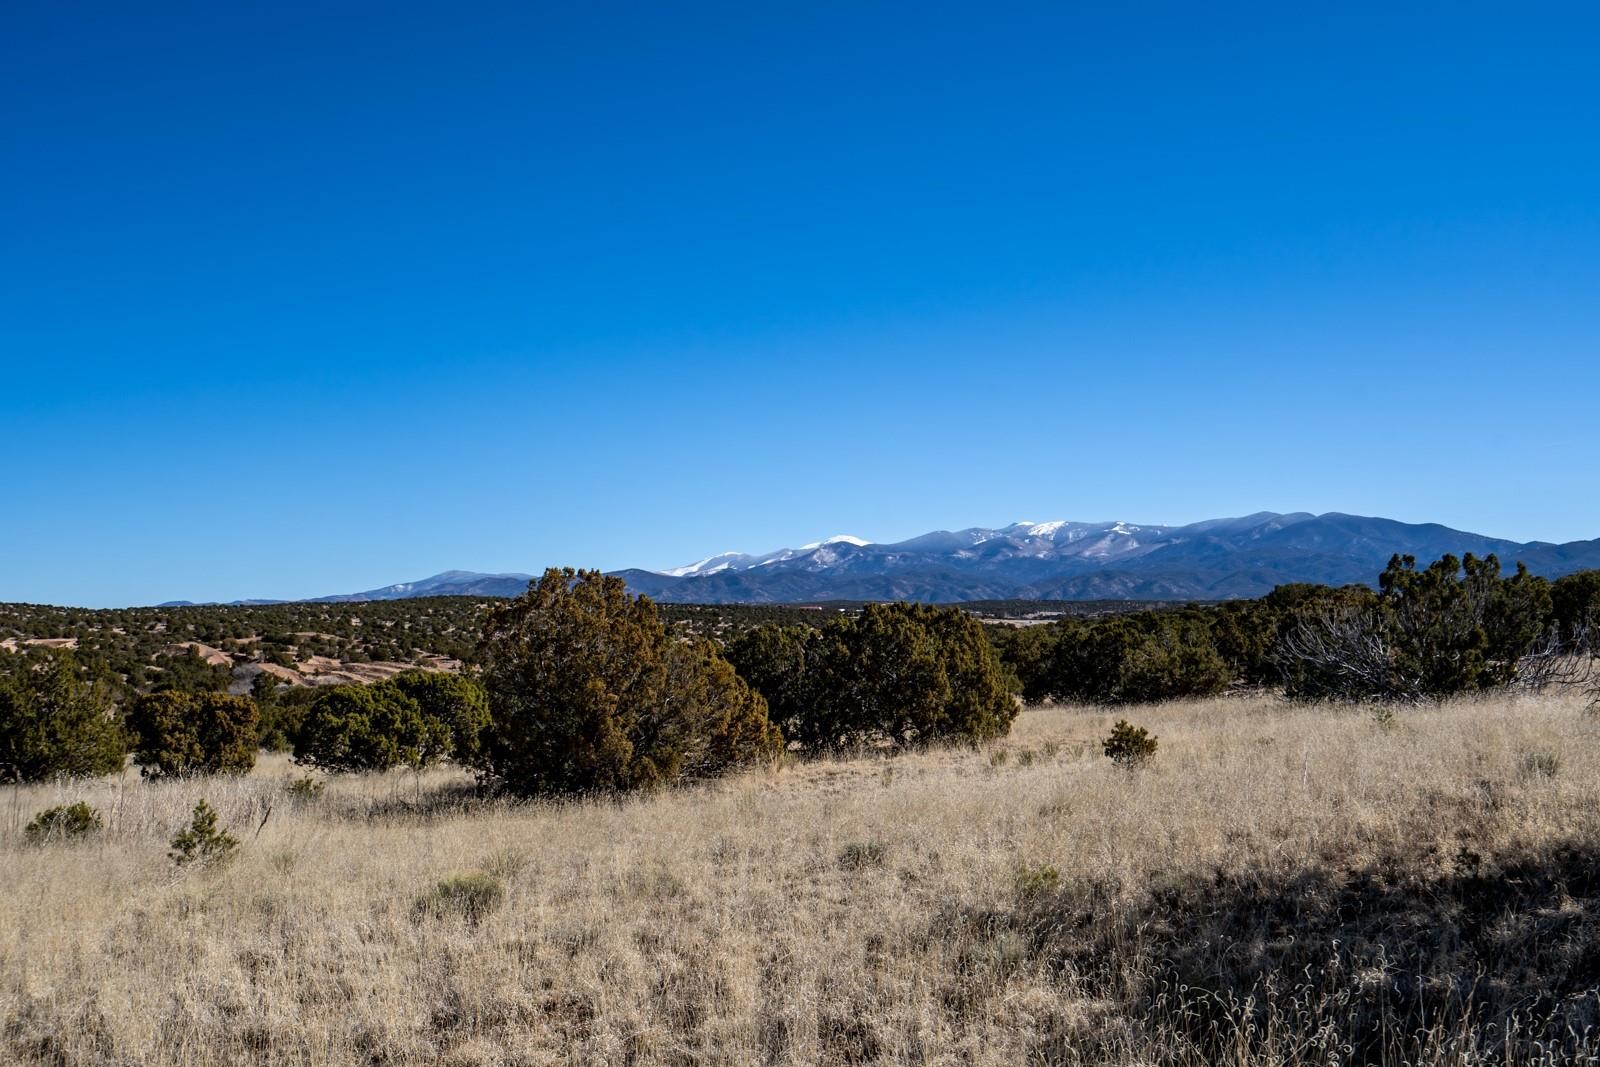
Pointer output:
x,y
185,670
1171,664
305,789
454,702
727,720
1143,657
368,728
778,662
1245,634
1575,605
470,896
897,674
588,691
1460,626
1129,745
183,734
982,702
264,688
283,714
202,842
1022,651
272,732
1157,655
66,822
53,723
878,678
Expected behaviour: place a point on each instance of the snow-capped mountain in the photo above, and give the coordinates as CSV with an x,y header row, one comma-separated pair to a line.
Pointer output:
x,y
1058,539
1056,560
710,565
739,561
1062,559
836,539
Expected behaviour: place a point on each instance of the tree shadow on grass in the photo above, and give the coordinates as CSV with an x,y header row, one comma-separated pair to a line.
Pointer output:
x,y
434,804
1410,958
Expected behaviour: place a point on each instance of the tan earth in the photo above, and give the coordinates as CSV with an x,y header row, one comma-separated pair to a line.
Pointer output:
x,y
325,670
11,644
214,656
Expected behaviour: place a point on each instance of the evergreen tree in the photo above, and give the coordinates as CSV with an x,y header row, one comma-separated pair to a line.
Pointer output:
x,y
368,728
187,671
587,691
897,674
54,724
1575,605
779,663
183,734
457,709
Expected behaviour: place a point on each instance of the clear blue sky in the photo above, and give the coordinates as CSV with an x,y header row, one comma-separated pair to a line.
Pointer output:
x,y
308,298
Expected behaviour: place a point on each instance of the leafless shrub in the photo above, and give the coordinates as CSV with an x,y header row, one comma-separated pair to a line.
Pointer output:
x,y
1557,660
1347,651
1341,651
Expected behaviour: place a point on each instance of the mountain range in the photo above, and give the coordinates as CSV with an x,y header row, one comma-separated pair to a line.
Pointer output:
x,y
1214,560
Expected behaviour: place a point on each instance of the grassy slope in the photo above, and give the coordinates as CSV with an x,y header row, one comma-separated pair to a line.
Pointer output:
x,y
1374,880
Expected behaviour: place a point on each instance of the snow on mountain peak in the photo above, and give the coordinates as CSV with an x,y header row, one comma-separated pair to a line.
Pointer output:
x,y
836,539
740,561
710,565
1055,539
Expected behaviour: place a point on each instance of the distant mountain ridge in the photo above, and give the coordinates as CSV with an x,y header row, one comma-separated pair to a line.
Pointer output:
x,y
448,583
1217,559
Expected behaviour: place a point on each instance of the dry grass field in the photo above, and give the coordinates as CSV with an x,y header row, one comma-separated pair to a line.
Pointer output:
x,y
1282,885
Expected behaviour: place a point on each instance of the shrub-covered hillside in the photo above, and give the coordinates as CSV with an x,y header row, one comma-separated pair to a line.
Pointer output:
x,y
220,646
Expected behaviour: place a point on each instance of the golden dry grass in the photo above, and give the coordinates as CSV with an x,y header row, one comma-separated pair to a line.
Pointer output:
x,y
870,910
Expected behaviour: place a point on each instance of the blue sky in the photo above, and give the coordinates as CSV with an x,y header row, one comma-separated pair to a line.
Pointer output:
x,y
301,299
